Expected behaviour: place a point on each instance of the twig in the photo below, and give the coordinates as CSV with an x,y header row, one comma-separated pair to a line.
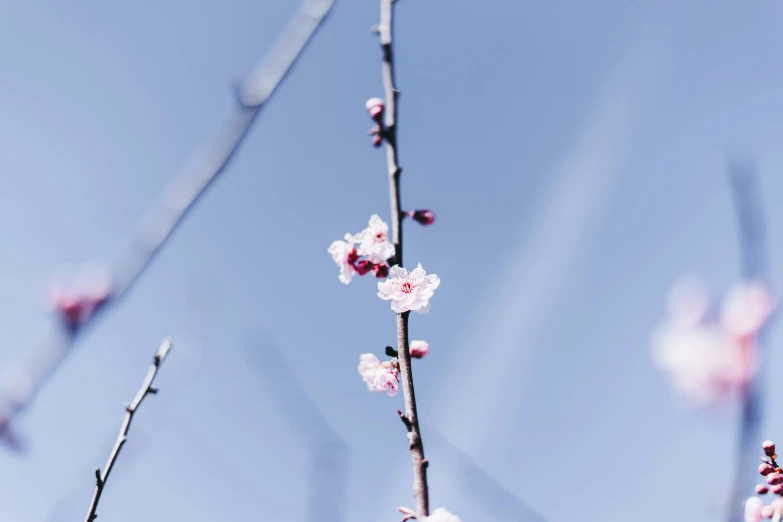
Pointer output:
x,y
753,251
146,388
160,222
410,417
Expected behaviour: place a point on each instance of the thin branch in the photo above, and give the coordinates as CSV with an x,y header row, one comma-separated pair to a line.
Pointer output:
x,y
177,199
130,410
754,252
410,418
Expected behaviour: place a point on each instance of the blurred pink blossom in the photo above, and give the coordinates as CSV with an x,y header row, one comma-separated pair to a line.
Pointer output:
x,y
746,308
409,291
374,241
344,256
419,349
708,359
753,508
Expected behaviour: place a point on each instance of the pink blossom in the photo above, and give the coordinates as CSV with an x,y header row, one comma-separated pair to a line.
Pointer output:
x,y
746,308
408,291
374,241
443,515
386,380
765,469
419,349
378,376
753,508
344,255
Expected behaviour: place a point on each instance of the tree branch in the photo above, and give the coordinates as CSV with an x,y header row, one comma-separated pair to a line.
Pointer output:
x,y
146,388
410,417
177,199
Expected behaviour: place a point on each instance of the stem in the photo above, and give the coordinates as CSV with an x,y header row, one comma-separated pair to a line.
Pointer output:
x,y
146,388
410,417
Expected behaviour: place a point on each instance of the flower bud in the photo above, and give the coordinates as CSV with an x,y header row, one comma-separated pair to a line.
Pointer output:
x,y
377,140
425,217
769,448
773,479
765,469
381,270
363,266
777,489
419,349
761,489
375,107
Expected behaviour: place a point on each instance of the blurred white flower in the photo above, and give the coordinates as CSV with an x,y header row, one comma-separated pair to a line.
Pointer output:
x,y
344,256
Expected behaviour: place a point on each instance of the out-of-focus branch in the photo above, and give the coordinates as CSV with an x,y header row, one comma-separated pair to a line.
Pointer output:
x,y
410,416
160,222
754,252
329,456
130,410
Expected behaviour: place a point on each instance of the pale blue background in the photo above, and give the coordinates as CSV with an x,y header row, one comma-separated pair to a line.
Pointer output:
x,y
574,155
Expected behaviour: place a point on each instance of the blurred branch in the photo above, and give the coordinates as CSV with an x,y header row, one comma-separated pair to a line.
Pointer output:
x,y
495,500
160,222
749,206
329,455
130,410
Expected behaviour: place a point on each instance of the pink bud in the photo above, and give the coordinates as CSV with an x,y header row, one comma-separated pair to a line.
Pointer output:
x,y
353,256
419,349
769,448
425,217
761,489
375,107
363,266
765,469
376,140
773,479
381,270
777,489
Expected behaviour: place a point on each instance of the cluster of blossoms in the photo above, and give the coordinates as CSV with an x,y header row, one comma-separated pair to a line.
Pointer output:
x,y
711,356
372,244
385,376
755,508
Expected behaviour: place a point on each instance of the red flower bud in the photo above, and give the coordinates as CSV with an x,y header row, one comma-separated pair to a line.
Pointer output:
x,y
425,217
381,270
761,489
363,266
375,107
765,469
769,448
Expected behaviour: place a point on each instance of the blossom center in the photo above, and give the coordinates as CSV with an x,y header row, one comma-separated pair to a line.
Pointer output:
x,y
407,287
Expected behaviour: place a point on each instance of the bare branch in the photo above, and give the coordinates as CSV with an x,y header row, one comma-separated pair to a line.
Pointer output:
x,y
130,410
177,199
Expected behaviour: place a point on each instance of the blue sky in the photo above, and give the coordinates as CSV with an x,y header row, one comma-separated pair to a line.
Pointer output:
x,y
574,154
